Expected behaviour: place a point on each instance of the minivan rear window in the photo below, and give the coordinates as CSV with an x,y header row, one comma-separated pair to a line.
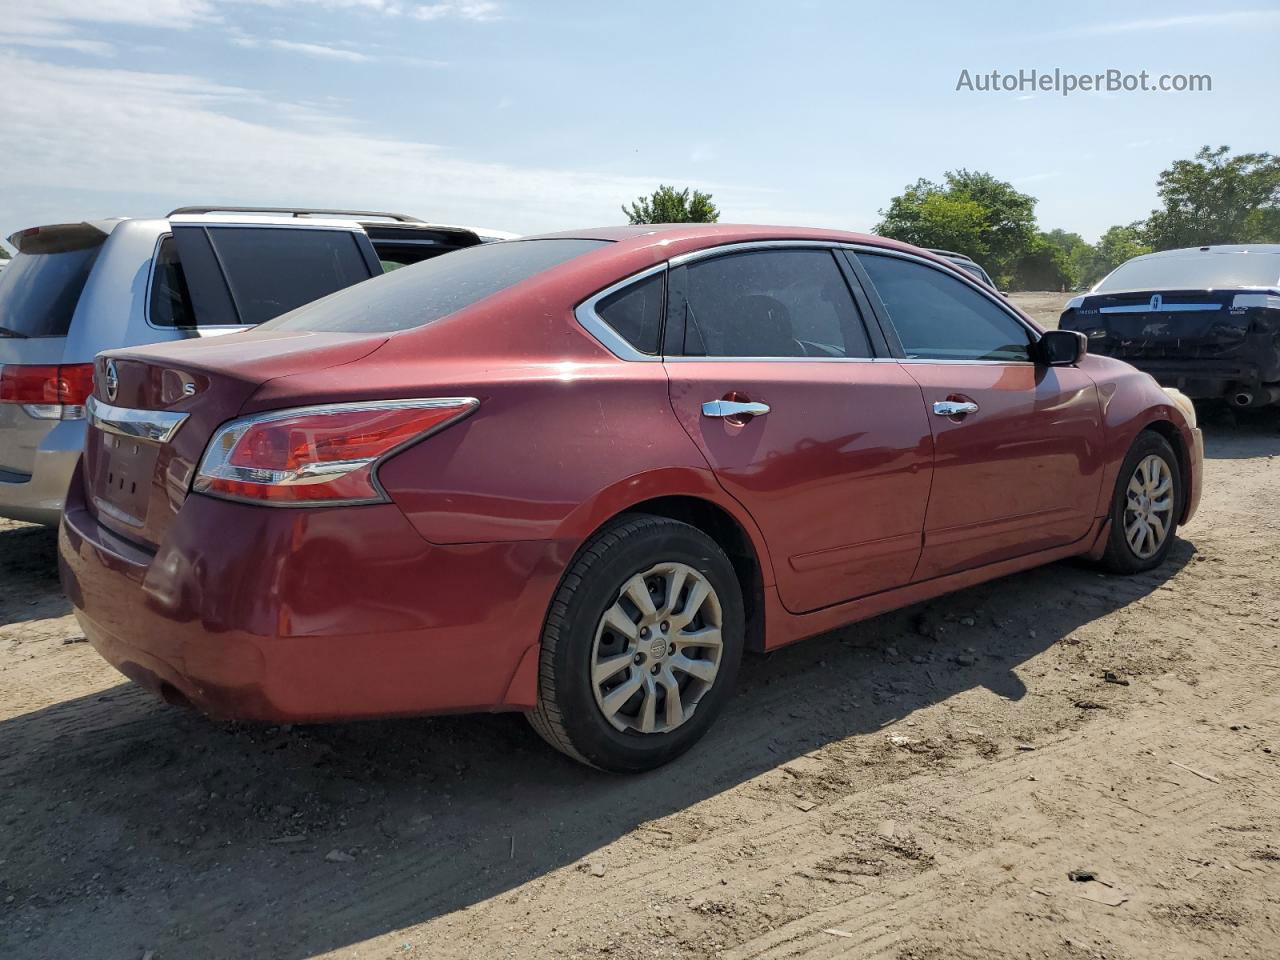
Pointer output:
x,y
39,291
425,292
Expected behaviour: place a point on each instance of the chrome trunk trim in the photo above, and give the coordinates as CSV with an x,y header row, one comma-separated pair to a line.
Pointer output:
x,y
154,426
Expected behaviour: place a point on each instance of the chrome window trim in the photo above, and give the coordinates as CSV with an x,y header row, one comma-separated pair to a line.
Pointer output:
x,y
609,338
163,328
620,348
153,426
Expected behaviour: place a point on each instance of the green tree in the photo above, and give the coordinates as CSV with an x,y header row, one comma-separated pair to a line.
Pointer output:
x,y
970,212
1217,198
669,205
1076,253
1043,266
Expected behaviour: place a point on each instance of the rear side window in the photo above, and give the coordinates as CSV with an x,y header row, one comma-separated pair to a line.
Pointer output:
x,y
771,303
39,292
272,270
636,312
939,317
170,299
425,292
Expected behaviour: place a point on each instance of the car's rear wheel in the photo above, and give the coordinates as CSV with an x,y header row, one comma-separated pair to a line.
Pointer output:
x,y
641,645
1145,507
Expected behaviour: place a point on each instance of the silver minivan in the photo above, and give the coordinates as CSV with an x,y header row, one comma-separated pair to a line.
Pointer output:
x,y
75,289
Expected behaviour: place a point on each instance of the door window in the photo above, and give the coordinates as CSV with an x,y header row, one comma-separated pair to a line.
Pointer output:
x,y
771,303
635,312
273,270
939,317
170,299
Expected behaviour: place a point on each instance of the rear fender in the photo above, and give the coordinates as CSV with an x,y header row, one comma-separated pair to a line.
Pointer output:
x,y
689,482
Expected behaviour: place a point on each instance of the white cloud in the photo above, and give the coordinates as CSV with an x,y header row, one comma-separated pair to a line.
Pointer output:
x,y
1244,18
476,10
181,138
60,23
321,50
479,10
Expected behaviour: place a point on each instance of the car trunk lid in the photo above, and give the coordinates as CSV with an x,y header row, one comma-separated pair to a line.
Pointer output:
x,y
154,409
1162,323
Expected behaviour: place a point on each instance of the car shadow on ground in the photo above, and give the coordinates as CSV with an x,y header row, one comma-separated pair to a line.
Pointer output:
x,y
1231,434
29,588
129,825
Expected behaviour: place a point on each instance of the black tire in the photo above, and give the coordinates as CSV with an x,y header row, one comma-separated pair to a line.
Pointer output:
x,y
1120,557
567,715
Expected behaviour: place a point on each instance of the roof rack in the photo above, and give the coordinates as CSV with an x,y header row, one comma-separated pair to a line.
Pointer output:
x,y
950,253
295,212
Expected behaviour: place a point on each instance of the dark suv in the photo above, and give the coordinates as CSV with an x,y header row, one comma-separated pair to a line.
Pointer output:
x,y
76,289
1205,320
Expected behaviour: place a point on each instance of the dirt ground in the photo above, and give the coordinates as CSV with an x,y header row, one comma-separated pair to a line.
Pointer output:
x,y
914,787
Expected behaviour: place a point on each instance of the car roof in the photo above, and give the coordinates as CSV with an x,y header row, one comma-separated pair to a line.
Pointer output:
x,y
1211,249
717,232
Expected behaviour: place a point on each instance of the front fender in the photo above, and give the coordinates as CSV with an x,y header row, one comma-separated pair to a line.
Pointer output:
x,y
1131,401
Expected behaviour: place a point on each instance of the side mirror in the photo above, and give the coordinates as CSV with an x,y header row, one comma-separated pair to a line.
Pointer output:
x,y
1061,348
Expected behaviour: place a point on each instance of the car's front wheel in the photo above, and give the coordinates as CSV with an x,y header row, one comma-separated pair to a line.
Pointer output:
x,y
1145,506
641,646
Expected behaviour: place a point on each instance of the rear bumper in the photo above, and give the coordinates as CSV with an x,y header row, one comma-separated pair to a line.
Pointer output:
x,y
1207,379
37,497
296,616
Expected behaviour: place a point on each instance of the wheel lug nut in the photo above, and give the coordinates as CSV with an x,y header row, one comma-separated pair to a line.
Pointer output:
x,y
639,658
654,669
644,632
665,626
671,649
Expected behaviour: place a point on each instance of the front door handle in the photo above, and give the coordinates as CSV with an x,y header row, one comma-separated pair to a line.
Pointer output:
x,y
733,408
954,408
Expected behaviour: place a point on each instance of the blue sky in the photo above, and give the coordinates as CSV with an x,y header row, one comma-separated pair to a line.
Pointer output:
x,y
528,116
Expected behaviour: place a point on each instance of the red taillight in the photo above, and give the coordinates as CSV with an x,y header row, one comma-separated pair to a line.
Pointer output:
x,y
48,392
318,455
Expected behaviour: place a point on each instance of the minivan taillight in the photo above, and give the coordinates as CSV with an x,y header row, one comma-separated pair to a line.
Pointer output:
x,y
318,456
48,392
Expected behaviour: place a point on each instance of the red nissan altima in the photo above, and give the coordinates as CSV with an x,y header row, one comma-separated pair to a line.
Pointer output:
x,y
578,475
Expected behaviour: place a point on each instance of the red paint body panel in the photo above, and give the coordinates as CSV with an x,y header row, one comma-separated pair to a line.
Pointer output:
x,y
1020,475
853,497
836,474
308,615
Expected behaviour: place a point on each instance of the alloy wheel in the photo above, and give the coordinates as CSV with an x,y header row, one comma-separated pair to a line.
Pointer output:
x,y
1148,515
657,649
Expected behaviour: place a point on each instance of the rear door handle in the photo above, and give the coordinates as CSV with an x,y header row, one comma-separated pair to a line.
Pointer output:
x,y
954,408
733,408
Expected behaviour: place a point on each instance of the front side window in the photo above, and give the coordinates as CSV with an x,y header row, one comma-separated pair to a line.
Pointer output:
x,y
939,317
771,303
272,270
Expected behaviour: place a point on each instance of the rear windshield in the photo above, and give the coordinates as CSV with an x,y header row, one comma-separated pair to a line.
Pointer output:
x,y
39,291
1195,270
425,292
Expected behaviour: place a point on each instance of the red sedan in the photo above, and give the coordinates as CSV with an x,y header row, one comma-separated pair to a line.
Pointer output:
x,y
578,475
